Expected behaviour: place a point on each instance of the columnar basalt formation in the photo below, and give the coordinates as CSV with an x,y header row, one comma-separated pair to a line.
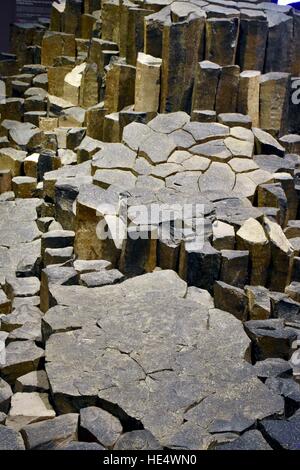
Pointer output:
x,y
149,232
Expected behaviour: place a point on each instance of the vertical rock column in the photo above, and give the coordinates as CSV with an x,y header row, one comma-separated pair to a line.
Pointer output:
x,y
182,42
87,26
248,97
147,83
123,40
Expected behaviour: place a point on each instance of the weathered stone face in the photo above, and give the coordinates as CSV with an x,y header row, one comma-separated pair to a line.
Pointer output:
x,y
57,44
146,360
149,232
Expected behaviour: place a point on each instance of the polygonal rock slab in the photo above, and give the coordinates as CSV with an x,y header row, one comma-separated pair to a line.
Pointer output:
x,y
10,439
124,180
219,176
28,408
157,148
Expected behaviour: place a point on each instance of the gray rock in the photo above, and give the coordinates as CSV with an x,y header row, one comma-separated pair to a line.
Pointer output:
x,y
287,388
204,132
236,424
52,276
250,440
201,265
10,439
282,434
58,255
137,440
89,266
99,425
157,148
286,309
21,357
101,278
27,137
272,367
5,396
190,436
234,267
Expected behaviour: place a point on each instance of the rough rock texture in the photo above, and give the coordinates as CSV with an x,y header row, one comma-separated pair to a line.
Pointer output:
x,y
149,232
